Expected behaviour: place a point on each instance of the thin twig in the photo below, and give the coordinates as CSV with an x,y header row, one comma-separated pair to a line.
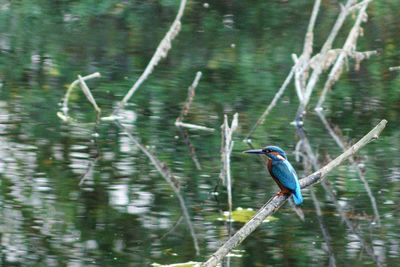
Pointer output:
x,y
186,107
277,201
194,126
190,97
272,104
227,146
161,52
307,51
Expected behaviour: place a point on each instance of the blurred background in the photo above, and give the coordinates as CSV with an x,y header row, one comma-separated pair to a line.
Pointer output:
x,y
124,213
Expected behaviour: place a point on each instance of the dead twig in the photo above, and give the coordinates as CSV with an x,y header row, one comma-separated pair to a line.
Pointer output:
x,y
161,52
349,48
190,97
324,56
193,126
226,150
179,121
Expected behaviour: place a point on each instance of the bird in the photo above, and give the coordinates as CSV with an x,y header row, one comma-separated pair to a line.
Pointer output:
x,y
281,171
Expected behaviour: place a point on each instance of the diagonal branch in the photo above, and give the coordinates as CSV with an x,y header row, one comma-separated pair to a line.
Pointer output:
x,y
348,48
277,201
161,52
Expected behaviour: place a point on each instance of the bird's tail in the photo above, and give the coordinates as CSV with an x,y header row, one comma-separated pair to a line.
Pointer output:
x,y
297,197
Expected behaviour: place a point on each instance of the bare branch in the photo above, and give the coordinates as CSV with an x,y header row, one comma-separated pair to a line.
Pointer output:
x,y
273,103
227,146
348,48
186,107
277,201
312,81
161,52
190,97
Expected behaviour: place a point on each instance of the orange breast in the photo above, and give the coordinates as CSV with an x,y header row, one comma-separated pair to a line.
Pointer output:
x,y
269,164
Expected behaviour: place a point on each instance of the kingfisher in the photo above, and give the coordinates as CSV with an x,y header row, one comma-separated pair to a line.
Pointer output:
x,y
281,171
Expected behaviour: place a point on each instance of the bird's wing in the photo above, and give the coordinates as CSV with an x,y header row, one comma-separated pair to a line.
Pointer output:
x,y
285,173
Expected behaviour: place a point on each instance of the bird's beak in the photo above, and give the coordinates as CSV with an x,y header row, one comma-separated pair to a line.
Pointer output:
x,y
254,151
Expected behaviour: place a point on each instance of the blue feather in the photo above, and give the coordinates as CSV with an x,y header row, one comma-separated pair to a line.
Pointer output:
x,y
285,173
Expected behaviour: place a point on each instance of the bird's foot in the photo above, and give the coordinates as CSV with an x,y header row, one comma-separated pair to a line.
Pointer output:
x,y
282,192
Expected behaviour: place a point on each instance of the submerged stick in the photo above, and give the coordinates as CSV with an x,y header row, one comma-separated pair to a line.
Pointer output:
x,y
161,52
277,201
167,175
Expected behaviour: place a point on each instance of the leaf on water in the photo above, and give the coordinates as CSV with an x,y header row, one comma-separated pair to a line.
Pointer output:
x,y
239,215
185,264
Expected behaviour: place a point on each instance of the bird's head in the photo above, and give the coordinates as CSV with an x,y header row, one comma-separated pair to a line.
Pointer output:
x,y
272,152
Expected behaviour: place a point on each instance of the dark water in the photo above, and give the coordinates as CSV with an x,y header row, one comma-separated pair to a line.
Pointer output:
x,y
125,213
